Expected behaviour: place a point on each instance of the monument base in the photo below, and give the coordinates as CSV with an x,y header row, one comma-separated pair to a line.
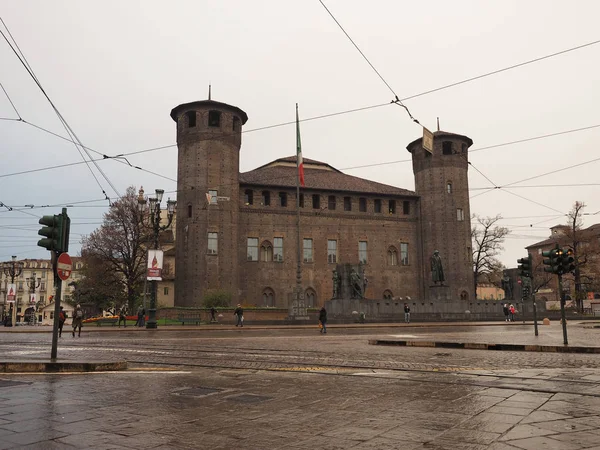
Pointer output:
x,y
439,293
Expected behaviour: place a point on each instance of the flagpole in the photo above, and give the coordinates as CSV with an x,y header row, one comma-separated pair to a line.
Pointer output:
x,y
299,246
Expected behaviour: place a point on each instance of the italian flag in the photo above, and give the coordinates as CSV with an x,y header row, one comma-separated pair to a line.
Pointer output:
x,y
299,162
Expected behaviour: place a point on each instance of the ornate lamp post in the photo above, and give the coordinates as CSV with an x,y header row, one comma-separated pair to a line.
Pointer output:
x,y
13,269
152,206
32,285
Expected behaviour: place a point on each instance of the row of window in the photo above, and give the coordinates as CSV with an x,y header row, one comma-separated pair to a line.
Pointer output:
x,y
267,252
331,202
214,120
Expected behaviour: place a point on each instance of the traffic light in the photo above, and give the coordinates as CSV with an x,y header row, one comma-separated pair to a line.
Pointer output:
x,y
567,261
525,266
56,232
554,260
525,292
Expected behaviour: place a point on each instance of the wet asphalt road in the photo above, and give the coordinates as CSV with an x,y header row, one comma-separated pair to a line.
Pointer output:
x,y
257,388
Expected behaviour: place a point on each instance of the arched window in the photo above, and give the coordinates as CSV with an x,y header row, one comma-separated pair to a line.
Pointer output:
x,y
237,124
268,297
248,197
464,295
189,208
392,256
446,148
266,251
387,295
214,119
310,298
191,118
449,187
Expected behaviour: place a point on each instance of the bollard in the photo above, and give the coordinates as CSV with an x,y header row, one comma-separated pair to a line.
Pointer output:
x,y
546,321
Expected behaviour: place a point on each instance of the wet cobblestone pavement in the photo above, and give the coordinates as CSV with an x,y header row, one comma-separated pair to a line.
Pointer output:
x,y
296,389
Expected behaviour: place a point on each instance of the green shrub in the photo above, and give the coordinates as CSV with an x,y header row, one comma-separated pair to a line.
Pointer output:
x,y
217,298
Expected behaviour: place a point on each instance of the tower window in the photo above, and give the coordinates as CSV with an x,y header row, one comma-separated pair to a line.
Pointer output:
x,y
316,201
404,253
301,201
191,117
377,205
213,197
460,214
278,249
447,148
464,148
362,204
237,124
392,256
252,249
266,198
283,199
347,203
266,252
331,203
189,210
213,243
331,251
248,197
406,207
362,252
449,187
214,119
307,250
392,206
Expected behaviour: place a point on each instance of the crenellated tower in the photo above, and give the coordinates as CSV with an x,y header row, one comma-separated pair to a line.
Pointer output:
x,y
206,253
441,181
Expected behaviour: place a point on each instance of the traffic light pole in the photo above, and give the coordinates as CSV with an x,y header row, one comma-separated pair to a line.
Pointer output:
x,y
535,324
58,287
563,319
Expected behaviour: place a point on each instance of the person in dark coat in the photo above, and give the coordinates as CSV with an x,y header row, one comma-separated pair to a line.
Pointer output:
x,y
323,320
62,317
505,310
239,313
213,313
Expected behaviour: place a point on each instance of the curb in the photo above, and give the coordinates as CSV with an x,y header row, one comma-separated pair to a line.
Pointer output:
x,y
61,366
480,346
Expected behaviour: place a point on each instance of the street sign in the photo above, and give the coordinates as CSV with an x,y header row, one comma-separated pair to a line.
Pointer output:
x,y
64,266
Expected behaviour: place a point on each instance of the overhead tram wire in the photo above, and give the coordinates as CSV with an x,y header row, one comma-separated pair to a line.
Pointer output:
x,y
396,100
11,102
21,57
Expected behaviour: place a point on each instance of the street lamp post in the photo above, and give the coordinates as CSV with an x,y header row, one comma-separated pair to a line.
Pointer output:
x,y
13,269
32,285
152,205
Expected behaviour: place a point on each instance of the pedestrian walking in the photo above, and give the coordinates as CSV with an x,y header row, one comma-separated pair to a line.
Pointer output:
x,y
323,320
406,313
77,320
140,317
123,316
239,313
506,312
143,323
213,312
511,311
62,317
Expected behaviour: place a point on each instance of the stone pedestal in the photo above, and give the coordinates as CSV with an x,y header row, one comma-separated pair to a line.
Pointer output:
x,y
439,293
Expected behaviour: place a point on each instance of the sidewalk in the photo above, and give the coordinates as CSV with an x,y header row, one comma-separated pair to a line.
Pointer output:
x,y
229,327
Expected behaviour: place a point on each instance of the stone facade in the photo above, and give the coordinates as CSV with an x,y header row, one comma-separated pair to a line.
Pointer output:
x,y
243,238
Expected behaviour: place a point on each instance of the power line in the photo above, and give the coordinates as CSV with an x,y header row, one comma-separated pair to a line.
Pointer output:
x,y
396,100
514,66
21,57
11,102
551,172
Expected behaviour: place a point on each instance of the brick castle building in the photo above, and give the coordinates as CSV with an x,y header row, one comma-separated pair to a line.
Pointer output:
x,y
237,232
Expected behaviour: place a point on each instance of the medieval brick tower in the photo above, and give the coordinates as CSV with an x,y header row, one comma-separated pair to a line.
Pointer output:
x,y
208,140
441,181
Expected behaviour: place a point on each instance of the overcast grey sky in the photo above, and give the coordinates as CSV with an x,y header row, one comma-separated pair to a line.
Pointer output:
x,y
116,68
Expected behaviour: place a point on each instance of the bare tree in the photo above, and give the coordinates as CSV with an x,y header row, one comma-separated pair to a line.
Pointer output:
x,y
115,253
487,238
585,251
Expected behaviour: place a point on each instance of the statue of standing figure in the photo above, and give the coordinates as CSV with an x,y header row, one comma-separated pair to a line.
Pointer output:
x,y
336,284
355,284
437,271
